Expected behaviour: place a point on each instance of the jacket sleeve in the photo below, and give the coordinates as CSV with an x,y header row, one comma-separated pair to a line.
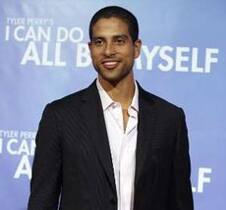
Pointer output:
x,y
180,190
46,169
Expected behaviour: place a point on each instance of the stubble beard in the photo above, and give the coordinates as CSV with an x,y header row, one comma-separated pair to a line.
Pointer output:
x,y
113,78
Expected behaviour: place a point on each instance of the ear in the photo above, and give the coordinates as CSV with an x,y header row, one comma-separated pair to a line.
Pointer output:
x,y
137,45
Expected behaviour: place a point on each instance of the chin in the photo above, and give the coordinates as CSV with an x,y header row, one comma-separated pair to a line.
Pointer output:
x,y
111,79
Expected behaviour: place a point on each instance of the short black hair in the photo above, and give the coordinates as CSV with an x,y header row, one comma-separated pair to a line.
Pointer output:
x,y
117,12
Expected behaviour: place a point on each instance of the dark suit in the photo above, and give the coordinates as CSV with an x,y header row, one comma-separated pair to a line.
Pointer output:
x,y
73,158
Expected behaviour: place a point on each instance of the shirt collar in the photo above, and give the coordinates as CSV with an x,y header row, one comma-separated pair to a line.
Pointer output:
x,y
107,101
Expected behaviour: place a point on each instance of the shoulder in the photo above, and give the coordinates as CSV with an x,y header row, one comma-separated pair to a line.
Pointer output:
x,y
163,103
72,101
69,104
163,107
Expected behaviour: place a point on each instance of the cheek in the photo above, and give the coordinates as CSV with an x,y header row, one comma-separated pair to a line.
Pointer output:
x,y
131,55
94,53
132,52
95,57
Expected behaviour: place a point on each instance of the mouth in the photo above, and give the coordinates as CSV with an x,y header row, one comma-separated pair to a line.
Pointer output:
x,y
110,64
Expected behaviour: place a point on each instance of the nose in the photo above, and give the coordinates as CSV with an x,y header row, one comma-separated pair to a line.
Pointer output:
x,y
109,49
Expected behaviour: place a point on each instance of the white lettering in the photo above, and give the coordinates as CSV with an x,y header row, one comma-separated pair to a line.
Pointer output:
x,y
16,33
210,59
202,178
31,54
7,33
167,58
62,34
194,63
73,33
15,147
24,168
45,51
58,61
180,58
150,55
1,145
23,148
83,55
23,34
9,147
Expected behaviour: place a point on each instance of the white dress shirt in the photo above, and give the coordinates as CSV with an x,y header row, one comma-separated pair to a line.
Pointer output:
x,y
122,144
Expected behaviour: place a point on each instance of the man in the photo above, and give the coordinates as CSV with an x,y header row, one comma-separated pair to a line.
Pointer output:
x,y
112,146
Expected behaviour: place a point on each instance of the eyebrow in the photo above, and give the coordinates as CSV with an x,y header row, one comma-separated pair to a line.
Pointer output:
x,y
114,37
121,36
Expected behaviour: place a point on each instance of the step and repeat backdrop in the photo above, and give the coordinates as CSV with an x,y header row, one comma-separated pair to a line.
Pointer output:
x,y
44,56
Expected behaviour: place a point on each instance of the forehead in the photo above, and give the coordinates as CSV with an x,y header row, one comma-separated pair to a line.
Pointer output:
x,y
110,26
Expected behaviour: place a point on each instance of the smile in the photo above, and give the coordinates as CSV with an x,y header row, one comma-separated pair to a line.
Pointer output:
x,y
110,64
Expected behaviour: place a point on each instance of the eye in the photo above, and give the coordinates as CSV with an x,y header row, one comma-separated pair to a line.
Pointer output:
x,y
120,41
98,42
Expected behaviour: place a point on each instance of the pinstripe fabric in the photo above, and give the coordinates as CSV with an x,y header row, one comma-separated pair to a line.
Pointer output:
x,y
73,170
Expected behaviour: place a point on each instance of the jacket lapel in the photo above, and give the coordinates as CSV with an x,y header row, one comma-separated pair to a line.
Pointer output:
x,y
146,129
92,114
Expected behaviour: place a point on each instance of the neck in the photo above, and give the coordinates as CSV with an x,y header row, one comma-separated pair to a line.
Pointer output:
x,y
122,91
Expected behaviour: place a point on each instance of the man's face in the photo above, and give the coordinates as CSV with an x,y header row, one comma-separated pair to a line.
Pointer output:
x,y
112,49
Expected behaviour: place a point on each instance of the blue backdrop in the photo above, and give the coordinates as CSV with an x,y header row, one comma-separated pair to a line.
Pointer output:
x,y
44,56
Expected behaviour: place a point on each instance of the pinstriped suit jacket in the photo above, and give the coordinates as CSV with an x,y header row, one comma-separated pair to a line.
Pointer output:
x,y
72,168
